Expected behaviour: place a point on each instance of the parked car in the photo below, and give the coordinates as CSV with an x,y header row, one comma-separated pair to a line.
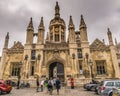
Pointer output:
x,y
4,87
106,87
91,86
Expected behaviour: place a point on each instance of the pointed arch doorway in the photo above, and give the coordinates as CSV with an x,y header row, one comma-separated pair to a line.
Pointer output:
x,y
56,69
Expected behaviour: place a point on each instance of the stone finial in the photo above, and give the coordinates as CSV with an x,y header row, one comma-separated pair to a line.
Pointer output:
x,y
71,25
41,26
110,37
57,9
7,36
103,41
30,26
82,22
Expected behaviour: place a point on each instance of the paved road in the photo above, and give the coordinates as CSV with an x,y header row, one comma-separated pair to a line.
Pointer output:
x,y
63,92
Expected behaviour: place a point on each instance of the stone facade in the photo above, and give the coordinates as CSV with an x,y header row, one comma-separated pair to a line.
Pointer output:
x,y
70,58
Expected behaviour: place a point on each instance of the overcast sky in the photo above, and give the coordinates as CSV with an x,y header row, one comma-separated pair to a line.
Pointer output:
x,y
98,15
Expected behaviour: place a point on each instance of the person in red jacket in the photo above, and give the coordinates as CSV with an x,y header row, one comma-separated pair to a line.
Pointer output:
x,y
72,82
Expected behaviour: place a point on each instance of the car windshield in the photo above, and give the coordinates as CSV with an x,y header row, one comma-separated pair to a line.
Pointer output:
x,y
117,84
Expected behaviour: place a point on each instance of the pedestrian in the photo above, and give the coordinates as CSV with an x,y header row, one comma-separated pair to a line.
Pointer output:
x,y
42,85
50,86
54,81
37,83
72,82
46,85
58,85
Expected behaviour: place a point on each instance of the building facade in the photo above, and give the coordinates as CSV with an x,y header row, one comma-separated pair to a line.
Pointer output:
x,y
54,56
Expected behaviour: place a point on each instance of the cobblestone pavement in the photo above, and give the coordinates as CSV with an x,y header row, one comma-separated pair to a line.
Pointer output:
x,y
63,92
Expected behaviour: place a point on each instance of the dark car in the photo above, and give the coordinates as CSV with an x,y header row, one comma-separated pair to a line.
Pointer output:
x,y
91,86
5,87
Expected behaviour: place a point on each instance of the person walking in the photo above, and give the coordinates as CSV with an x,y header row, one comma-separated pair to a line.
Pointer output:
x,y
37,83
42,85
46,85
50,86
58,85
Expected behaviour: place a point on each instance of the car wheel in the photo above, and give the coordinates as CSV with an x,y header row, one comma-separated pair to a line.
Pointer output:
x,y
92,88
98,91
0,91
8,92
111,94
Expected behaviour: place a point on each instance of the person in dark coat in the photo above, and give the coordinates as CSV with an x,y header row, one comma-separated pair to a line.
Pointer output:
x,y
58,85
37,83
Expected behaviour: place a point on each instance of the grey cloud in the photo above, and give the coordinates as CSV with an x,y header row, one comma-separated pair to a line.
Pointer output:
x,y
98,15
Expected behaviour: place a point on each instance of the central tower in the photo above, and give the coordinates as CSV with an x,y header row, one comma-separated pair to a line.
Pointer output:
x,y
57,28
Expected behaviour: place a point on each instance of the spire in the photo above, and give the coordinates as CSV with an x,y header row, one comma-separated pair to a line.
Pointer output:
x,y
82,22
57,9
71,25
115,41
30,26
7,36
6,40
110,37
41,26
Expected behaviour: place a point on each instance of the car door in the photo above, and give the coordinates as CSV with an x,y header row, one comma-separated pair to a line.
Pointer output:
x,y
109,85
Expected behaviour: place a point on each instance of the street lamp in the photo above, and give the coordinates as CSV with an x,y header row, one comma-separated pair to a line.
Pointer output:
x,y
19,67
91,63
73,57
26,73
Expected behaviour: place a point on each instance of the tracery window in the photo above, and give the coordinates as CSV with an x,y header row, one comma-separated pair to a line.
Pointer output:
x,y
79,53
100,67
14,70
33,52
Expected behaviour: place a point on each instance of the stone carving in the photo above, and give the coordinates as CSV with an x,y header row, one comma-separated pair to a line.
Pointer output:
x,y
97,45
16,48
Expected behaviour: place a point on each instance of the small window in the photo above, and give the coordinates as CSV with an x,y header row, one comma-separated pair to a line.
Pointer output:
x,y
110,84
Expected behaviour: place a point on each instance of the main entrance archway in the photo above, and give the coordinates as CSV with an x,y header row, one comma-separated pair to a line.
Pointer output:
x,y
56,69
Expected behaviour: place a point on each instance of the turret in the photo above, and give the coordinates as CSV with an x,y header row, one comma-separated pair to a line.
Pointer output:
x,y
6,41
41,32
30,31
110,37
71,29
83,30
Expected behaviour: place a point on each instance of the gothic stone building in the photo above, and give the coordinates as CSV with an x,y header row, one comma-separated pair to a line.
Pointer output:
x,y
54,56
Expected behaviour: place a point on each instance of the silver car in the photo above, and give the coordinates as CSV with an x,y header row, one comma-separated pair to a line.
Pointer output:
x,y
106,86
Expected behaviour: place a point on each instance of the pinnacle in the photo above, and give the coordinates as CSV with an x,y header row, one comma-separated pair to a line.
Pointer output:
x,y
82,22
71,25
41,26
7,36
30,26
